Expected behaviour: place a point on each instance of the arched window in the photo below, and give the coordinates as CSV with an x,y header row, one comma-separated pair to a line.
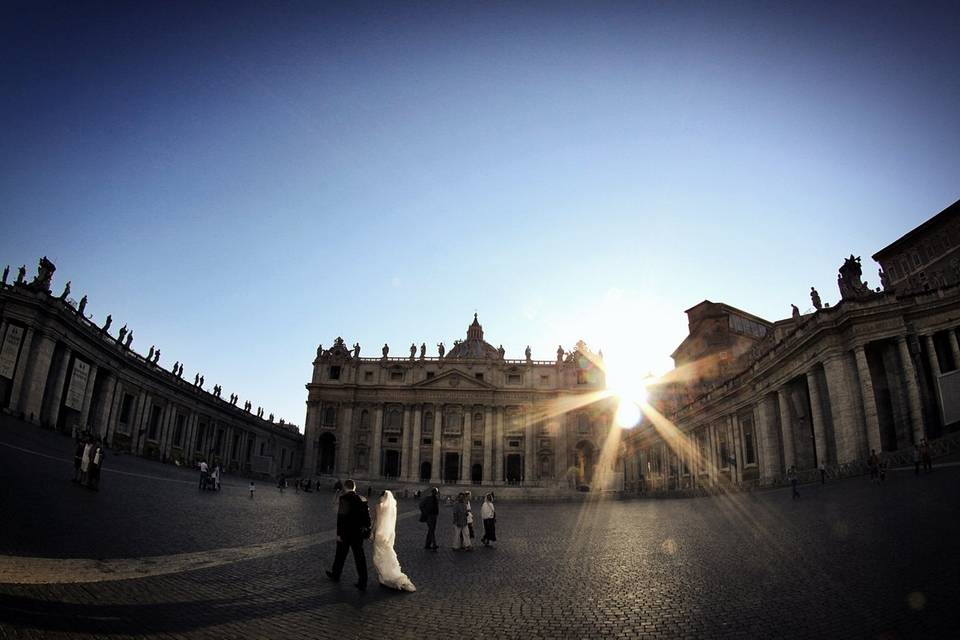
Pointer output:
x,y
394,421
364,419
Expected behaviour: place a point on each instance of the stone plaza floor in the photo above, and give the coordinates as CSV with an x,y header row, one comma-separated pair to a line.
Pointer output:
x,y
151,556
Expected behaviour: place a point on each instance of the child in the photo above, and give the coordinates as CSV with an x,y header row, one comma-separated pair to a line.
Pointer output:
x,y
252,488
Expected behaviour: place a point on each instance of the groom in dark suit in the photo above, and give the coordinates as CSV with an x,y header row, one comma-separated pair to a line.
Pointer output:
x,y
353,526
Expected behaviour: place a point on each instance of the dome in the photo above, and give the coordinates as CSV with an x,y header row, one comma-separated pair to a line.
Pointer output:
x,y
474,346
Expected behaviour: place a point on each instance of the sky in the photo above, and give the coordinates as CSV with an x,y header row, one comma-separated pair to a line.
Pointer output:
x,y
241,182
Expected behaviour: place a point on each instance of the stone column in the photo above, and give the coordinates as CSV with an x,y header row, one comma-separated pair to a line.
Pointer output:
x,y
563,463
466,445
769,467
913,389
488,446
164,428
375,450
37,379
816,414
529,453
416,438
117,404
934,372
737,447
437,441
135,438
59,381
869,400
20,373
954,348
88,395
842,409
343,446
310,428
405,445
498,451
786,428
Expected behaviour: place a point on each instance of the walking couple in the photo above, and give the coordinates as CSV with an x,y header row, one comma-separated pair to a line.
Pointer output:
x,y
354,526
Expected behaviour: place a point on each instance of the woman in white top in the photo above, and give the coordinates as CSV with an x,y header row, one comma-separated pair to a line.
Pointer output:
x,y
489,516
469,499
384,534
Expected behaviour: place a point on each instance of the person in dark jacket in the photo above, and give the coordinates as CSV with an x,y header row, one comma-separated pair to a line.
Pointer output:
x,y
353,526
429,510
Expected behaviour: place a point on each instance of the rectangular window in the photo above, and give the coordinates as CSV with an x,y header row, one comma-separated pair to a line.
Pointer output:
x,y
430,374
368,376
125,410
544,381
514,443
478,376
478,443
392,440
396,375
426,440
263,448
514,378
155,413
178,431
335,372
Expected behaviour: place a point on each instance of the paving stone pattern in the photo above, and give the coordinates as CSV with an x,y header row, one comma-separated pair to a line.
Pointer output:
x,y
849,559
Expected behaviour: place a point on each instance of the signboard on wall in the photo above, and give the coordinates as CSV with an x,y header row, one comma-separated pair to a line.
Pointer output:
x,y
950,396
78,385
8,354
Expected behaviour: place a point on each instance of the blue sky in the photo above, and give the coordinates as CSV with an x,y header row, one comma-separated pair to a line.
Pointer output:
x,y
239,182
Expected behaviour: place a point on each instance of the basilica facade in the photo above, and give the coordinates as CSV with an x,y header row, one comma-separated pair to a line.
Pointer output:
x,y
465,416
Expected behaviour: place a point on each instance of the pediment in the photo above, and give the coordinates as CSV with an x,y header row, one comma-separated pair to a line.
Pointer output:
x,y
454,380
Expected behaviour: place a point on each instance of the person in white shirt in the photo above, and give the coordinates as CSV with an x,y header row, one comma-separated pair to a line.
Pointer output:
x,y
489,516
204,471
469,500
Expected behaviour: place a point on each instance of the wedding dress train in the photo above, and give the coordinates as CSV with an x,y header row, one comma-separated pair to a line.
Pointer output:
x,y
384,557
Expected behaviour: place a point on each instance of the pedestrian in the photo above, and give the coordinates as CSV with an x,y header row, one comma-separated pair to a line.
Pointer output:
x,y
461,533
792,476
337,486
429,510
882,469
204,474
925,456
873,463
353,527
85,461
94,481
215,478
77,457
489,516
916,460
469,500
823,473
252,489
282,483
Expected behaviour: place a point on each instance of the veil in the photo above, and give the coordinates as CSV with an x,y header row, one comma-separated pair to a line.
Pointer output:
x,y
386,530
384,557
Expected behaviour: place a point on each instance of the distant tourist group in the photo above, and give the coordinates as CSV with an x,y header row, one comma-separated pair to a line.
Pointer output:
x,y
209,478
87,460
355,525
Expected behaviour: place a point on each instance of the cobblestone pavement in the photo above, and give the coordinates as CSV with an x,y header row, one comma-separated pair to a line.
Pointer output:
x,y
849,559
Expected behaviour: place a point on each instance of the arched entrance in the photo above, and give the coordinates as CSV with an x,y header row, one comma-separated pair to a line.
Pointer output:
x,y
476,474
425,469
586,458
391,463
451,467
514,468
326,460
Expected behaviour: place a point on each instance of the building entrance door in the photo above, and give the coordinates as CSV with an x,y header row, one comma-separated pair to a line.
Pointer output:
x,y
391,463
451,467
328,451
514,468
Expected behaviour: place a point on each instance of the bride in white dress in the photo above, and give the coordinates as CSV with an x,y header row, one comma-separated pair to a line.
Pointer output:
x,y
384,557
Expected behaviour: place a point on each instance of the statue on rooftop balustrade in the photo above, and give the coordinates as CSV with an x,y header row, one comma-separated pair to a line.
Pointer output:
x,y
413,350
44,276
849,281
106,325
441,349
66,290
356,349
6,272
21,274
423,350
385,350
82,306
815,298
